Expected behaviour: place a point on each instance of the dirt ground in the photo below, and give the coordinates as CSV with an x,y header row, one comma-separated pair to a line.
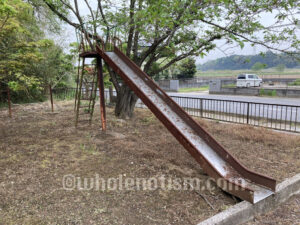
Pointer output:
x,y
38,148
269,152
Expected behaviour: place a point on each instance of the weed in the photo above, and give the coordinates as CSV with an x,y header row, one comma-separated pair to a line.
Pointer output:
x,y
204,88
274,93
147,120
229,86
263,92
295,83
88,148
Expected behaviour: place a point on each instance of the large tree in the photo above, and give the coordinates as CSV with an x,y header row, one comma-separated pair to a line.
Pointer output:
x,y
28,61
159,33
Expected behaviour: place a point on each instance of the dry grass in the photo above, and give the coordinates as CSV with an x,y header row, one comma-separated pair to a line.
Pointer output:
x,y
276,154
37,148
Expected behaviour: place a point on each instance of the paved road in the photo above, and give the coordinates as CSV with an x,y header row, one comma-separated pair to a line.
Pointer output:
x,y
268,100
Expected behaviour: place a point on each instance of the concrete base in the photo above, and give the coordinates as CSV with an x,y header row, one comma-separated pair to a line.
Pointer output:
x,y
244,211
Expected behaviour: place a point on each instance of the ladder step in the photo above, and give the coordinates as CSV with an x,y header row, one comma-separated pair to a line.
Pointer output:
x,y
87,96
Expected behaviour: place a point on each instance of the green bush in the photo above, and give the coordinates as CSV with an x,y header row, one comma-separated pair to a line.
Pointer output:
x,y
274,93
295,83
263,92
25,96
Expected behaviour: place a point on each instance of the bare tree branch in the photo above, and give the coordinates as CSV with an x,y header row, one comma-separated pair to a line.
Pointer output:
x,y
246,38
60,15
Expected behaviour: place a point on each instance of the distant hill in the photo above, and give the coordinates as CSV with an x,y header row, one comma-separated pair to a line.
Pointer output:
x,y
240,62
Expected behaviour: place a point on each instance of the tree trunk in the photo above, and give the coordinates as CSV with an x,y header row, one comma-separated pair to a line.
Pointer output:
x,y
126,100
112,98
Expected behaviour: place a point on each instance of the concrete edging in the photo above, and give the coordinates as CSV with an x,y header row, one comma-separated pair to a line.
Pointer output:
x,y
244,211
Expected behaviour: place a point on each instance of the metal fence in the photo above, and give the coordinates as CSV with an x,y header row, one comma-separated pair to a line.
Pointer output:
x,y
63,93
274,116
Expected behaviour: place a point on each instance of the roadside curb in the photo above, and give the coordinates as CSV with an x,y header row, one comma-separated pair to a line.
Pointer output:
x,y
244,211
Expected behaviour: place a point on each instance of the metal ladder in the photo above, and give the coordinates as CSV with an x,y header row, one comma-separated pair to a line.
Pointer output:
x,y
86,93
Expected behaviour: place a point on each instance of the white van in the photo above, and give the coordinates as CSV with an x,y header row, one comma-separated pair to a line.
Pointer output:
x,y
248,80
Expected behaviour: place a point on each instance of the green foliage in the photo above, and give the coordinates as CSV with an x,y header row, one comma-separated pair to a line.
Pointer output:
x,y
175,30
273,93
204,88
295,83
18,46
258,66
154,70
187,69
27,60
106,81
263,92
229,86
159,34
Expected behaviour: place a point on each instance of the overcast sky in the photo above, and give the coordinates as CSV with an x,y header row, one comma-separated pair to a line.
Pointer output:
x,y
69,37
266,18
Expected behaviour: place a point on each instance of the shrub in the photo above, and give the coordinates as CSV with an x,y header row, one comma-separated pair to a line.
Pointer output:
x,y
262,92
295,83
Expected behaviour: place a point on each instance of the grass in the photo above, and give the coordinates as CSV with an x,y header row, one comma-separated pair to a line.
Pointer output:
x,y
229,86
263,92
295,83
60,96
262,73
204,88
32,147
36,153
3,105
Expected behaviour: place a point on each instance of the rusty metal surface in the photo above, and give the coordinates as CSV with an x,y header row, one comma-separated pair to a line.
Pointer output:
x,y
94,54
51,98
214,159
101,93
268,182
89,55
9,103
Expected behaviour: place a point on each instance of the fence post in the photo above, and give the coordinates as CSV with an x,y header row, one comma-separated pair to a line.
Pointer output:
x,y
9,103
51,98
201,105
248,110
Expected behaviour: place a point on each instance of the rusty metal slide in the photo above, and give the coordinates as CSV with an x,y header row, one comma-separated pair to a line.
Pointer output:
x,y
219,164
